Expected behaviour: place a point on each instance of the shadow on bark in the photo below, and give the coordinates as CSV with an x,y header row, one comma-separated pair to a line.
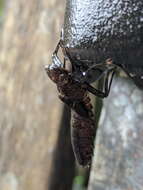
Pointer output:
x,y
63,170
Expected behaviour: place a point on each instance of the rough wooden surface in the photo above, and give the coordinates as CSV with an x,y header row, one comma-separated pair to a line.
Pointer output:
x,y
29,106
118,156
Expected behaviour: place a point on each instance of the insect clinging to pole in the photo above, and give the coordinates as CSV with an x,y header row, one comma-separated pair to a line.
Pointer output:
x,y
74,93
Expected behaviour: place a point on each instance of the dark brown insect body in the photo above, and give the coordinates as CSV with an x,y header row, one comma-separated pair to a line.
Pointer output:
x,y
82,135
74,93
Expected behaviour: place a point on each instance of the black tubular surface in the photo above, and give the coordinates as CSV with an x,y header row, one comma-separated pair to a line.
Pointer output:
x,y
95,30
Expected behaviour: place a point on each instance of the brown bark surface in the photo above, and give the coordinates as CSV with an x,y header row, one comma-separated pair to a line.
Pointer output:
x,y
118,155
29,107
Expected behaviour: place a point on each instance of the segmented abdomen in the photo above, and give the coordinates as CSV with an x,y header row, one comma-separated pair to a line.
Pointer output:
x,y
82,134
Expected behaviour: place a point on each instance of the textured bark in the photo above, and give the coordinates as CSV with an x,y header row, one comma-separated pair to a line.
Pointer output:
x,y
29,107
118,156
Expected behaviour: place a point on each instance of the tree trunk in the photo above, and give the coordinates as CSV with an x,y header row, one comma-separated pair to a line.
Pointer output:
x,y
29,107
118,156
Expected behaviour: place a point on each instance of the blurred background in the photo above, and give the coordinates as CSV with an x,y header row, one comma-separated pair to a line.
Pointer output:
x,y
35,146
